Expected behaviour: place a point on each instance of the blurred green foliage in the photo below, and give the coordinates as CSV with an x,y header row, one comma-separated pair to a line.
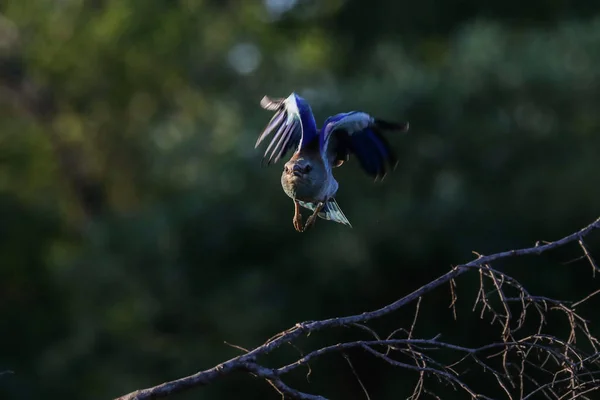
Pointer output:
x,y
138,231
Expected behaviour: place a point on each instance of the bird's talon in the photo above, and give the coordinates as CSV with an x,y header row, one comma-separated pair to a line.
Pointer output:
x,y
309,222
298,226
312,219
298,223
297,218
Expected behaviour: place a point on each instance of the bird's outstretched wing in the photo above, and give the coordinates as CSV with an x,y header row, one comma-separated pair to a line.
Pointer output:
x,y
293,123
359,133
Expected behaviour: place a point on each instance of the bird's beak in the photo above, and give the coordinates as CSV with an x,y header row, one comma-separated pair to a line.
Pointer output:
x,y
297,170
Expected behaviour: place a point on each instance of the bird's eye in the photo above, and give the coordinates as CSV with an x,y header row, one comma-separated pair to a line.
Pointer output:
x,y
285,168
308,168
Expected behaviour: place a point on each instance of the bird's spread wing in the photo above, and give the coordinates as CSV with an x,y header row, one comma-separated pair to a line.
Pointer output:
x,y
293,124
360,134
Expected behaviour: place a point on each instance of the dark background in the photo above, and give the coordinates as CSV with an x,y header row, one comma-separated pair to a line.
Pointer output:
x,y
138,231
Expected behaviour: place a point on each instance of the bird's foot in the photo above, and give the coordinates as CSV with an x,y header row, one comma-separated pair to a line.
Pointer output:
x,y
313,218
310,222
298,222
298,219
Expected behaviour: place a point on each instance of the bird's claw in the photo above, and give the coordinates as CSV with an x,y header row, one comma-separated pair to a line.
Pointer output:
x,y
310,222
313,218
298,222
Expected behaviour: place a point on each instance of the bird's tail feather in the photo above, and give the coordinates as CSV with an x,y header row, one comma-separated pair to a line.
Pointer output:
x,y
331,211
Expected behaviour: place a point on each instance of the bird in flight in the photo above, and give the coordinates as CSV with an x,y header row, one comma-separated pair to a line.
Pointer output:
x,y
307,177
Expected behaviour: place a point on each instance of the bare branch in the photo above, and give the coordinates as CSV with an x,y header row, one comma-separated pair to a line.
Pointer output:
x,y
523,366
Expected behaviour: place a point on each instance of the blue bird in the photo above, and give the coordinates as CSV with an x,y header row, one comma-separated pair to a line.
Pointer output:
x,y
307,177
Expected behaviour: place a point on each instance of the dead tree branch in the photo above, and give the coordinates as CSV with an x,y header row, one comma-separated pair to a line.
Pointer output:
x,y
523,366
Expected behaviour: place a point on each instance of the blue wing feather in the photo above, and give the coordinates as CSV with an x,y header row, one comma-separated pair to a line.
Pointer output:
x,y
293,123
360,134
309,125
368,153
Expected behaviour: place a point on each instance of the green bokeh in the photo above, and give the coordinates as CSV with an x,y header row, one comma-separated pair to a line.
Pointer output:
x,y
138,231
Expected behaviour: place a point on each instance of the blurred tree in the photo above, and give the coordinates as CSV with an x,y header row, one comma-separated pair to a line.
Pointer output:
x,y
139,231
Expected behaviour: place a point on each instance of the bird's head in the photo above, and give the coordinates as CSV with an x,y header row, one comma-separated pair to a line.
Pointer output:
x,y
299,168
304,177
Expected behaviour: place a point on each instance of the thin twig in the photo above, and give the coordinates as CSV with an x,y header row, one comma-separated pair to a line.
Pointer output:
x,y
356,376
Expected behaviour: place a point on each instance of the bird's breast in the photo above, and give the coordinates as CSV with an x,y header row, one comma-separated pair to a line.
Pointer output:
x,y
302,188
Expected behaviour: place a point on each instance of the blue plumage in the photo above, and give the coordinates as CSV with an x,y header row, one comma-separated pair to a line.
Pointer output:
x,y
293,124
307,177
309,126
360,134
